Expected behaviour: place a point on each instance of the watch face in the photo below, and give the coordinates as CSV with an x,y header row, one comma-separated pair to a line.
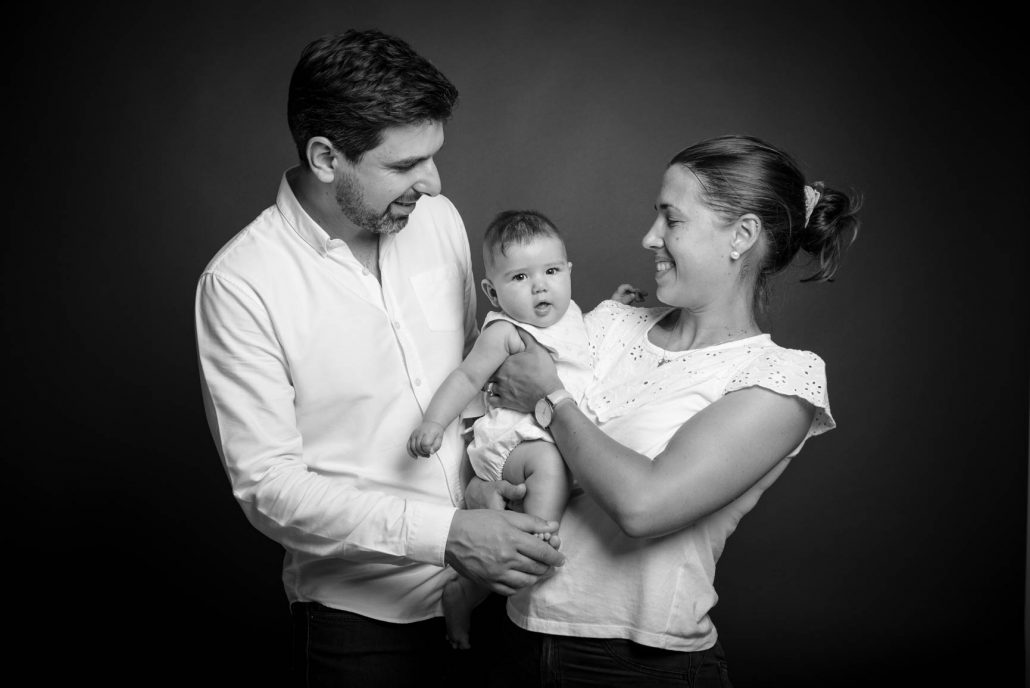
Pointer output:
x,y
542,412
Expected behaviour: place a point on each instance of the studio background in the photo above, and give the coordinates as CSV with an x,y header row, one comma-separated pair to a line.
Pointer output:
x,y
146,135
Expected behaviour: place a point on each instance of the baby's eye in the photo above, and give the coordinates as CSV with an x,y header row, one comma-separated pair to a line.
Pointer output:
x,y
553,271
519,277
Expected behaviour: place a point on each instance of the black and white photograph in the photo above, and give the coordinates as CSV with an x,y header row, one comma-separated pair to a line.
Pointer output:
x,y
518,344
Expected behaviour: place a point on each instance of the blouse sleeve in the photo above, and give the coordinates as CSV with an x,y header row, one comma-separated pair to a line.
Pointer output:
x,y
599,322
791,373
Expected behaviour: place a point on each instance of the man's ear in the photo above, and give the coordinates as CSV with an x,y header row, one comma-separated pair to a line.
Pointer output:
x,y
322,159
746,231
491,293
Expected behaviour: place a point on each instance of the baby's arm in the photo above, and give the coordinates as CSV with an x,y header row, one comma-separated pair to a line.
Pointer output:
x,y
628,294
494,344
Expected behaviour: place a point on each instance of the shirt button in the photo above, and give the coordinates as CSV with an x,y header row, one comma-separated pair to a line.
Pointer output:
x,y
418,382
396,325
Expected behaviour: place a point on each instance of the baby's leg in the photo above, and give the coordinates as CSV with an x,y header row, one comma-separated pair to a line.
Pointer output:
x,y
540,466
460,597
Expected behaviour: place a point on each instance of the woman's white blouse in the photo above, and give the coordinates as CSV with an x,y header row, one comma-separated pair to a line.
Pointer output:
x,y
657,591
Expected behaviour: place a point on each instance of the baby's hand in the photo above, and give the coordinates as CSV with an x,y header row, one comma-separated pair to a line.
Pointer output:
x,y
426,439
628,294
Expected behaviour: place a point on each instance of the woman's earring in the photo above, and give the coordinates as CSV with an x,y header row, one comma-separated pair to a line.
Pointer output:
x,y
734,255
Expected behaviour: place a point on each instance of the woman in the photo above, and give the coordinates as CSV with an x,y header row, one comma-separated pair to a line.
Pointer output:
x,y
693,413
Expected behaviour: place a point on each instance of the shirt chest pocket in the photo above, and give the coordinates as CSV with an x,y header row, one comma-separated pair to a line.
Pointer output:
x,y
441,295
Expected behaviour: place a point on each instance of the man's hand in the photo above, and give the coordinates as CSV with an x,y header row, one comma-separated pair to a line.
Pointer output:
x,y
498,549
493,494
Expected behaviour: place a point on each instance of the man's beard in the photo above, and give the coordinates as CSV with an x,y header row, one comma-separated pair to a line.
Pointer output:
x,y
352,205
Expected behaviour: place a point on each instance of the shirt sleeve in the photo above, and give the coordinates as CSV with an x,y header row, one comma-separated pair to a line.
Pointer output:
x,y
248,398
793,373
599,322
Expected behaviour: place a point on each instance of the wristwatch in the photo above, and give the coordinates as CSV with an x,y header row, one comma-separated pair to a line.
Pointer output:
x,y
543,412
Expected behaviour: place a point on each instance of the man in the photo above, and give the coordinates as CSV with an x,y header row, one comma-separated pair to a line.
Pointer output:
x,y
323,329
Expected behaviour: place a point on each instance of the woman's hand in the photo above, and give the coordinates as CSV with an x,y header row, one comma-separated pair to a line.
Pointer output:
x,y
524,378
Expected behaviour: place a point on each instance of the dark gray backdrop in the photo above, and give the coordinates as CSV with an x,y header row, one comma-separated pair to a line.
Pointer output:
x,y
145,136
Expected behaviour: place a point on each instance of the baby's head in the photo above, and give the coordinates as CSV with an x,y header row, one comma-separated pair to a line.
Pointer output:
x,y
528,274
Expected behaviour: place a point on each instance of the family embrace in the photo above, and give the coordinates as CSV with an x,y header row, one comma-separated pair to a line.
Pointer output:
x,y
609,454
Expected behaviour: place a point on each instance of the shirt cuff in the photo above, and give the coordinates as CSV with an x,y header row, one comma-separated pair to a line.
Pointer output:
x,y
427,536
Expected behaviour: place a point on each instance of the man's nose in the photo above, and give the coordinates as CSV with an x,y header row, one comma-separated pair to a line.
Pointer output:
x,y
429,179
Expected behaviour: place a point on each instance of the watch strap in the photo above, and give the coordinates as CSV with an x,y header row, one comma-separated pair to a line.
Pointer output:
x,y
558,396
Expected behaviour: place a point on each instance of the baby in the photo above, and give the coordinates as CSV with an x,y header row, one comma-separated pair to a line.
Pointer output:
x,y
529,280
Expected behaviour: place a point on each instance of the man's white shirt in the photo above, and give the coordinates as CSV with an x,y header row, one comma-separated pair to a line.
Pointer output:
x,y
314,375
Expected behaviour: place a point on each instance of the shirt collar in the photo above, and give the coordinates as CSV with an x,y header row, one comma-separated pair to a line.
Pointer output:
x,y
302,223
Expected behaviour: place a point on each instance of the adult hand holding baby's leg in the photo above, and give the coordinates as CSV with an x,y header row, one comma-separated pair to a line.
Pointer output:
x,y
493,494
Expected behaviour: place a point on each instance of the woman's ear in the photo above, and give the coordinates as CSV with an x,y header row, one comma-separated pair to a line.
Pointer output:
x,y
491,293
322,158
746,231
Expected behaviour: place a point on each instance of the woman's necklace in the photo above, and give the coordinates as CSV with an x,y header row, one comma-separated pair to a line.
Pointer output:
x,y
731,336
669,359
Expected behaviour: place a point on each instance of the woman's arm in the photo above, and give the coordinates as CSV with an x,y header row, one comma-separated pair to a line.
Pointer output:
x,y
712,459
716,456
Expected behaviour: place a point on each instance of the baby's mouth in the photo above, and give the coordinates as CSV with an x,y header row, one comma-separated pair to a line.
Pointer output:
x,y
542,307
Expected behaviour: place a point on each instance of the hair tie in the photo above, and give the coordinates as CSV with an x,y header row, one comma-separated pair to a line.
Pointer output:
x,y
811,198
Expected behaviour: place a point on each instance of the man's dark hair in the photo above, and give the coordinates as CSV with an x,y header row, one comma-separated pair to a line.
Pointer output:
x,y
351,86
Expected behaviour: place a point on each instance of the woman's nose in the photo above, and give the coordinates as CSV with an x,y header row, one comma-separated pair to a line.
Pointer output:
x,y
653,239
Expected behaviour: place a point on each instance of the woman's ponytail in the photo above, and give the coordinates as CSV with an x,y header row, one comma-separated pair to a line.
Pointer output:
x,y
832,226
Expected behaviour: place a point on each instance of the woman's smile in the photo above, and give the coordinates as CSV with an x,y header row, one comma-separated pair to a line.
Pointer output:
x,y
662,265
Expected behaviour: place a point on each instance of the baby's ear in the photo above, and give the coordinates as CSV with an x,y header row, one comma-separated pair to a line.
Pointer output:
x,y
488,289
570,266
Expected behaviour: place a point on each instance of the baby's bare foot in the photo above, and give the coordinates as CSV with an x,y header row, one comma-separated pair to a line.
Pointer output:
x,y
460,597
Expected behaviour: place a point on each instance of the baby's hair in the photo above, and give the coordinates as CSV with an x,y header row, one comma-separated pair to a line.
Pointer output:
x,y
515,227
742,174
